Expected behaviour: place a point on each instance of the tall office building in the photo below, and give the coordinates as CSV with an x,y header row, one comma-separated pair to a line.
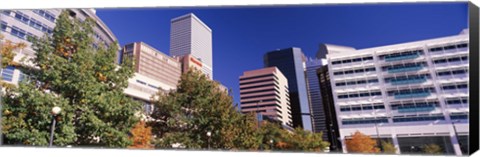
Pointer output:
x,y
291,62
17,25
322,105
189,35
265,91
154,72
412,94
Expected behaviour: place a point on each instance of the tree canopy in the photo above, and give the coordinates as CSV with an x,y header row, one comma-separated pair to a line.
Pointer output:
x,y
82,79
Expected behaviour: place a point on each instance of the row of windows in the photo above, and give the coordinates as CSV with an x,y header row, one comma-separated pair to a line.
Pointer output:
x,y
259,81
411,91
453,72
357,71
406,77
3,26
259,106
361,107
362,94
259,86
450,60
144,83
449,47
405,65
364,121
260,91
33,23
453,87
454,101
419,118
7,73
260,76
405,53
263,95
358,82
396,106
45,14
256,101
458,116
352,60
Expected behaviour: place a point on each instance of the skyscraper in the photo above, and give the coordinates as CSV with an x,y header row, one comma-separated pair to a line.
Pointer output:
x,y
314,96
412,94
265,91
291,62
189,35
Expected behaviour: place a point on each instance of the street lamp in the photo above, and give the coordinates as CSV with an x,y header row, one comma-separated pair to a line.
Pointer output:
x,y
55,111
271,144
209,134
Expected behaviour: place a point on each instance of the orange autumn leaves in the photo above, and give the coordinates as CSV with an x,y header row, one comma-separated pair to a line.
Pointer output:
x,y
141,136
361,143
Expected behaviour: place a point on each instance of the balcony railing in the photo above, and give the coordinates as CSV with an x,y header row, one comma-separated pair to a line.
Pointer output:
x,y
409,81
405,69
412,95
401,57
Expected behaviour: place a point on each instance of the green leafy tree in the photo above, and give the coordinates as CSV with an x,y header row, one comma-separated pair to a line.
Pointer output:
x,y
84,81
388,147
432,149
184,117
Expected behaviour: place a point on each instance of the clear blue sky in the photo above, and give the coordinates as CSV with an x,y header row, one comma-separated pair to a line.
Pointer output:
x,y
241,35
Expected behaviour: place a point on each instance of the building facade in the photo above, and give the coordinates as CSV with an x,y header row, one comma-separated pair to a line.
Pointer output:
x,y
154,72
291,62
189,35
314,96
17,25
412,94
265,92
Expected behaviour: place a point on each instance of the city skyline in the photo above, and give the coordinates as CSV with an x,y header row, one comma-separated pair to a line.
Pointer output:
x,y
242,35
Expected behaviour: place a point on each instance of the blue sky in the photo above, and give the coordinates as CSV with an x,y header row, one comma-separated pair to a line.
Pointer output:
x,y
242,35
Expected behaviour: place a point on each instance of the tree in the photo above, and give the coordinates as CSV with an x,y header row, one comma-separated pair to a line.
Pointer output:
x,y
361,143
388,147
7,53
432,149
141,136
184,117
69,72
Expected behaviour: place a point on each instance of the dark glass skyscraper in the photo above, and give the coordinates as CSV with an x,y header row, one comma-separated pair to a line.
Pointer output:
x,y
328,107
291,62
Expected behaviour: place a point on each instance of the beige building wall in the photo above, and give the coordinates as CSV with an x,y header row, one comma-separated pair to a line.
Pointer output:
x,y
265,91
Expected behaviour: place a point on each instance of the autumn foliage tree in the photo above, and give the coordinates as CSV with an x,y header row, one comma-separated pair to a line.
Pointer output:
x,y
361,143
7,53
141,136
388,147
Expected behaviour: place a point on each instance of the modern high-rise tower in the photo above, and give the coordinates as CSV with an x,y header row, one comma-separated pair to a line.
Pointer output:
x,y
291,62
189,35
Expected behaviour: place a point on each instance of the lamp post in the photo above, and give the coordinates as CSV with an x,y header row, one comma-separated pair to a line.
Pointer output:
x,y
209,134
271,144
55,111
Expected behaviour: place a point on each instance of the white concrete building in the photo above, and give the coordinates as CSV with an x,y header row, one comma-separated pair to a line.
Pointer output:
x,y
17,25
189,35
411,94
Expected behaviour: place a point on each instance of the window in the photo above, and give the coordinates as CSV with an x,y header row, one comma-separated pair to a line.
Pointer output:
x,y
4,26
457,72
367,58
464,58
346,61
370,69
338,73
351,83
344,96
356,108
378,106
364,94
362,82
22,17
462,86
439,61
444,73
449,47
355,95
465,45
456,59
448,87
359,71
45,14
340,84
336,62
6,12
436,49
357,60
20,33
345,108
373,81
349,72
376,93
7,73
